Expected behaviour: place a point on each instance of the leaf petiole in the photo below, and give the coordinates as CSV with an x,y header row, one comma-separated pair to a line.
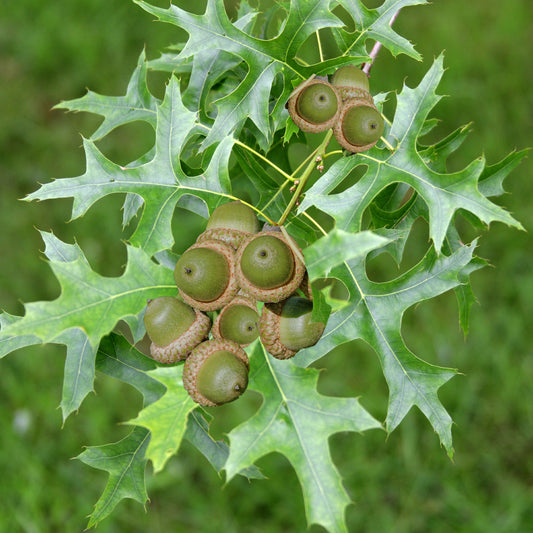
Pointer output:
x,y
263,158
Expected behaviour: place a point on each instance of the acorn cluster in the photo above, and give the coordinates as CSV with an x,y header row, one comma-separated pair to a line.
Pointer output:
x,y
343,103
221,278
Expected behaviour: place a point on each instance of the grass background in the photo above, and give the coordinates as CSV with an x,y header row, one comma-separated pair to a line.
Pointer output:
x,y
403,483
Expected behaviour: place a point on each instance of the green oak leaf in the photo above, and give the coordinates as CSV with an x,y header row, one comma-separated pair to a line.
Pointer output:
x,y
166,418
375,24
137,104
331,250
215,451
375,315
337,247
119,359
88,308
393,213
126,463
444,193
160,182
265,59
296,421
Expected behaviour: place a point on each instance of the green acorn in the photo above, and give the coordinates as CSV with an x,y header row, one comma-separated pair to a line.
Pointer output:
x,y
359,127
231,223
351,82
237,322
314,105
205,275
286,327
216,372
174,328
267,268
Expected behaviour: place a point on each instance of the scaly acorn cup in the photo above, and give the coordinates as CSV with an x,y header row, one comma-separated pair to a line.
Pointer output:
x,y
305,286
351,82
286,327
267,269
314,105
237,322
174,328
216,372
359,127
205,275
231,223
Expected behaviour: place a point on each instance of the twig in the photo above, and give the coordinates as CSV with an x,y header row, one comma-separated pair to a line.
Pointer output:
x,y
377,47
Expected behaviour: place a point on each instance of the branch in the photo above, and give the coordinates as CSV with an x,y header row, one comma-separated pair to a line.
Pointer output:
x,y
377,47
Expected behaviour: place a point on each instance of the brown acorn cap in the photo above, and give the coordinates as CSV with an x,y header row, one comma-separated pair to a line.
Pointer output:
x,y
305,286
233,237
232,287
292,106
347,93
197,358
269,331
278,293
238,300
181,347
337,130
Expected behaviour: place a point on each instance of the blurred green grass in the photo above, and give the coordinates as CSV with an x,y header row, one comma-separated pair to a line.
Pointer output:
x,y
403,483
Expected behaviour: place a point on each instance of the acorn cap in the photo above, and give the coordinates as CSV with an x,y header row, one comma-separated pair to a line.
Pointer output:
x,y
218,278
232,237
218,369
286,327
314,105
269,331
357,113
305,286
181,347
238,322
277,293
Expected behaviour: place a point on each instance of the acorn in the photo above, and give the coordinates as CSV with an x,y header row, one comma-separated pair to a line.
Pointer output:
x,y
360,125
314,105
237,322
174,328
205,275
286,327
216,372
231,223
267,268
351,82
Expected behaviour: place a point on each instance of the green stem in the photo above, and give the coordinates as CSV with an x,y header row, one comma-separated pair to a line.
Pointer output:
x,y
321,54
278,192
263,158
231,197
334,152
324,232
387,144
312,155
304,177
